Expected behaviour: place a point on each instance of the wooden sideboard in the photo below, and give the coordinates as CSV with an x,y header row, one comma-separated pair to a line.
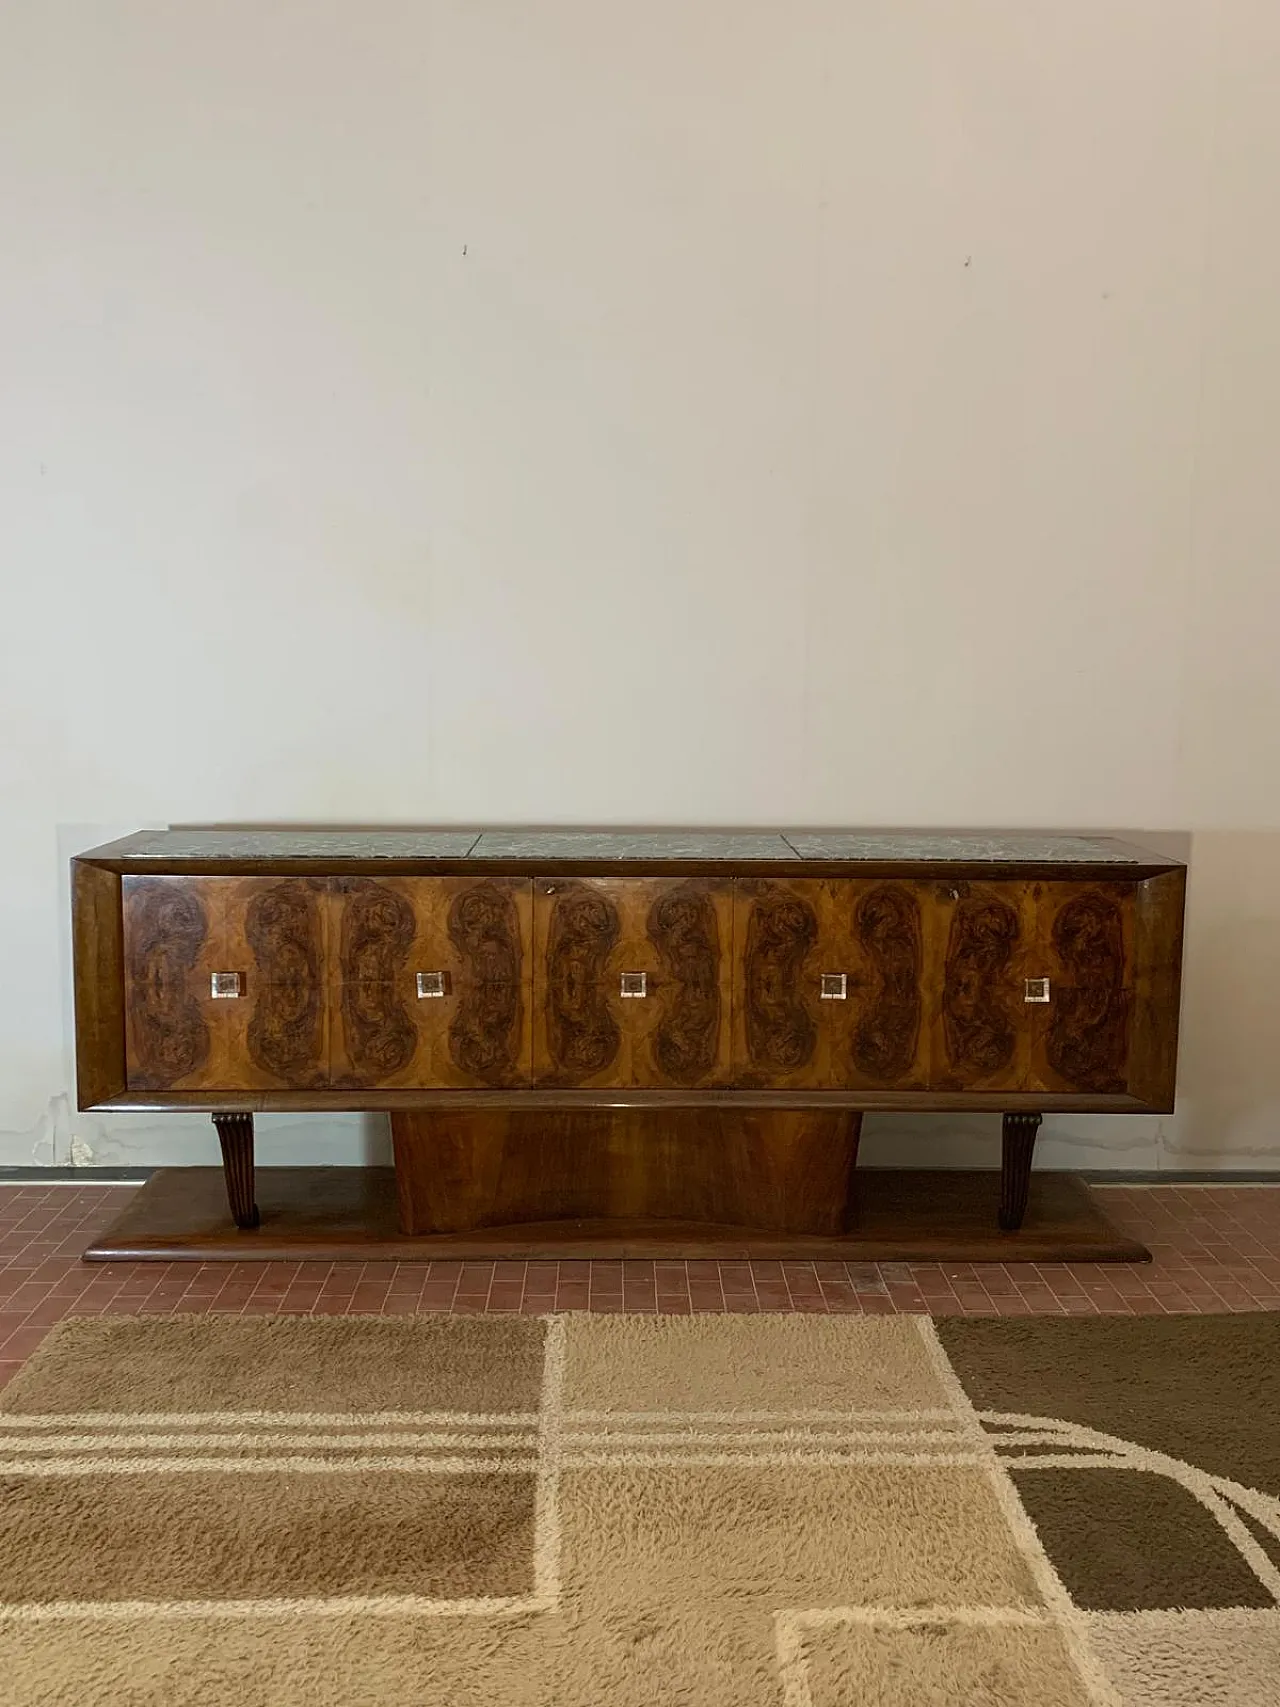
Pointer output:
x,y
636,1027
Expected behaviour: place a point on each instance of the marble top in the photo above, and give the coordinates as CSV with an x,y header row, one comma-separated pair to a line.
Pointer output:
x,y
530,847
849,844
297,844
631,844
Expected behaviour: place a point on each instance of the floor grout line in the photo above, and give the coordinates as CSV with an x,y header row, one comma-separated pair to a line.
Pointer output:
x,y
1213,1254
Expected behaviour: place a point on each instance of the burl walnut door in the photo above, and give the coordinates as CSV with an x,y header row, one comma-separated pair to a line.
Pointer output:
x,y
829,984
171,952
631,981
1085,951
431,982
225,983
987,946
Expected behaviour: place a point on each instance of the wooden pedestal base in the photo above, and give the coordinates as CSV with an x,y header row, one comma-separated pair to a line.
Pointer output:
x,y
350,1215
778,1171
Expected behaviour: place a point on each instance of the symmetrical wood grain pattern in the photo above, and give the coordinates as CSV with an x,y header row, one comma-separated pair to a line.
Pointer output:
x,y
789,1171
682,926
934,955
983,1025
788,935
283,929
484,1032
167,928
587,935
475,934
1087,946
376,931
977,1022
582,1037
781,930
888,927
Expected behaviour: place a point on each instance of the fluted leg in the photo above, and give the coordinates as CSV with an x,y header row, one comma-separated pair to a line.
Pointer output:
x,y
235,1134
1018,1141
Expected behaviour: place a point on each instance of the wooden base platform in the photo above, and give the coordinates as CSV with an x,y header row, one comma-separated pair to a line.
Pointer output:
x,y
350,1215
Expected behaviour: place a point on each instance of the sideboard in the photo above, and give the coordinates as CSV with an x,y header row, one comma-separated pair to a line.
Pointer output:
x,y
644,1027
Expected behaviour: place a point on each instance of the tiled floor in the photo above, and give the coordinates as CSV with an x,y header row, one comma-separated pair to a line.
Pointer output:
x,y
1215,1248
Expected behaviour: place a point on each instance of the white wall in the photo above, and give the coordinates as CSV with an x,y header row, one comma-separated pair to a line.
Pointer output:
x,y
742,411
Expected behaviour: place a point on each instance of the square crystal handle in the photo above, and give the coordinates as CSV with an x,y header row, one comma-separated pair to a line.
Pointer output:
x,y
432,984
834,987
634,984
1036,990
224,986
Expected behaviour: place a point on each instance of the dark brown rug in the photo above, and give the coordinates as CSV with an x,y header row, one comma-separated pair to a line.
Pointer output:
x,y
611,1511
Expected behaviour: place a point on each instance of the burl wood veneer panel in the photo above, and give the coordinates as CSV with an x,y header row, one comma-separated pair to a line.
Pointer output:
x,y
788,934
588,934
790,1171
179,932
1086,946
278,1031
476,934
984,943
170,952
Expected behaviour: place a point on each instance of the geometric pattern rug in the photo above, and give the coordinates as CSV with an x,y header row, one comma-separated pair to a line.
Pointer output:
x,y
639,1511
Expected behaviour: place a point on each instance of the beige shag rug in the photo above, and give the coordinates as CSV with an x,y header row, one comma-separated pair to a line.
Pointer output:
x,y
609,1511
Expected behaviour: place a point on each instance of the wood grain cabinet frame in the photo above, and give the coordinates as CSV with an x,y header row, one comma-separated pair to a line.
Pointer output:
x,y
302,981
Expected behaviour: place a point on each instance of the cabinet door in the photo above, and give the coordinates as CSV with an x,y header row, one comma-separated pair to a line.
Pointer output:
x,y
631,981
983,1026
430,982
275,936
829,978
1085,947
171,951
224,983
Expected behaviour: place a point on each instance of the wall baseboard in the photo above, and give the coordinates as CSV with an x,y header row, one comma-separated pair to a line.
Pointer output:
x,y
89,1176
1095,1176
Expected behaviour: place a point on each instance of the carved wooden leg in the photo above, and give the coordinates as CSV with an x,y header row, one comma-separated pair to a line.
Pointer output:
x,y
1018,1142
235,1134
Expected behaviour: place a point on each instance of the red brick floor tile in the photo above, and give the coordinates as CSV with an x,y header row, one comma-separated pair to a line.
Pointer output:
x,y
1216,1249
21,1344
504,1298
907,1301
